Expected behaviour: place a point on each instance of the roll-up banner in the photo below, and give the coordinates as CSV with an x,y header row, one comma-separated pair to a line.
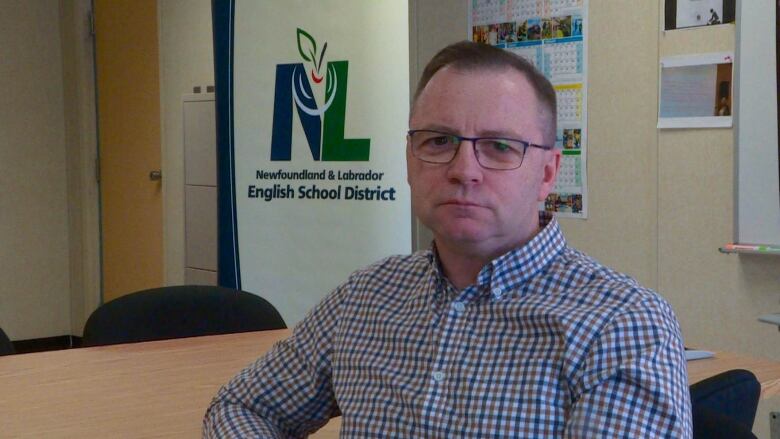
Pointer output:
x,y
312,109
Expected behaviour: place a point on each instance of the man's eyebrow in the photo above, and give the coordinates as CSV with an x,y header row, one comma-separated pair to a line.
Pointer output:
x,y
499,134
437,127
484,133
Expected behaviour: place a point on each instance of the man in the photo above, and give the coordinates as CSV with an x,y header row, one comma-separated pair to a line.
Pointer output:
x,y
500,329
714,19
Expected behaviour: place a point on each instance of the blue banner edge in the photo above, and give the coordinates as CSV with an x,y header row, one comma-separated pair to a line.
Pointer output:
x,y
228,266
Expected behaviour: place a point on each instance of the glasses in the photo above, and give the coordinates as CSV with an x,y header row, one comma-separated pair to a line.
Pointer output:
x,y
492,152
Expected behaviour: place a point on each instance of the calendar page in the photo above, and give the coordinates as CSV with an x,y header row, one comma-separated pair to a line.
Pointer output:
x,y
551,35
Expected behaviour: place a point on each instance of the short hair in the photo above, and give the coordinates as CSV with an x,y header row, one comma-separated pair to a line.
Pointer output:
x,y
470,56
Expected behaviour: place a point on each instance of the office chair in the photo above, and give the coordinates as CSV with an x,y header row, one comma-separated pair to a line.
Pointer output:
x,y
724,406
179,311
6,347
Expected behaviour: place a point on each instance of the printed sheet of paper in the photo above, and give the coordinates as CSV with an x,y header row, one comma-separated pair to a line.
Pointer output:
x,y
695,91
682,14
552,35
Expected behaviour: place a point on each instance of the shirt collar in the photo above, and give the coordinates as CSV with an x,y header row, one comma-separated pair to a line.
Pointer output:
x,y
510,270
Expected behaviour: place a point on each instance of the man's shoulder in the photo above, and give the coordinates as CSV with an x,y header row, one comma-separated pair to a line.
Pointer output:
x,y
396,269
614,304
601,285
414,260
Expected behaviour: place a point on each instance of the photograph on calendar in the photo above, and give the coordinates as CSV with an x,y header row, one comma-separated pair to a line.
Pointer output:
x,y
534,31
563,202
572,138
487,34
522,30
561,26
547,28
506,33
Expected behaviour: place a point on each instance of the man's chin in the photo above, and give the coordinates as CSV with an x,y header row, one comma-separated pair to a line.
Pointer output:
x,y
464,236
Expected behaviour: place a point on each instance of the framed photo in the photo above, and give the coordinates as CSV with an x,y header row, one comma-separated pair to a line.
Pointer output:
x,y
680,14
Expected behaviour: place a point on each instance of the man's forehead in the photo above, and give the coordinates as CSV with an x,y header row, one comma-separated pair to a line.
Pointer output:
x,y
477,76
503,89
483,102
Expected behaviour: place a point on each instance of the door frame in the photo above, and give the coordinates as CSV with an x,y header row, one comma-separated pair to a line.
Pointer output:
x,y
83,191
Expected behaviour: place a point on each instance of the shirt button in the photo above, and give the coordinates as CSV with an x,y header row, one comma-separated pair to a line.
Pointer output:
x,y
497,293
438,376
459,306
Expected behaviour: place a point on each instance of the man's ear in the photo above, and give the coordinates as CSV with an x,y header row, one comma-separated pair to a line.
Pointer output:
x,y
409,159
549,173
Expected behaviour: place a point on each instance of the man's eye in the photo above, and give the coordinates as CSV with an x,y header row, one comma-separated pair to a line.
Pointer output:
x,y
441,140
500,146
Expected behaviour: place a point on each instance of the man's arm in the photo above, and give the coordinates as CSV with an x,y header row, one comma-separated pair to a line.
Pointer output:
x,y
634,381
288,392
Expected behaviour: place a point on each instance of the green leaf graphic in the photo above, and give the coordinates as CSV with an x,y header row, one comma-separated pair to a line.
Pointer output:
x,y
311,46
322,56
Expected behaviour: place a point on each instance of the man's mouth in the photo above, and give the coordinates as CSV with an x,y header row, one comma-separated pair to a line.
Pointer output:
x,y
461,203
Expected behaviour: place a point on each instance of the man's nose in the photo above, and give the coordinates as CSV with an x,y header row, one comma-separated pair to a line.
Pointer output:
x,y
464,167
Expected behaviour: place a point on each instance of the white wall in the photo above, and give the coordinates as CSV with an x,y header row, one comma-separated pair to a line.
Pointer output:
x,y
186,60
34,252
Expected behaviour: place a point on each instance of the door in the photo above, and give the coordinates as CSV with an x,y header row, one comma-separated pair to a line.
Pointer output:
x,y
128,101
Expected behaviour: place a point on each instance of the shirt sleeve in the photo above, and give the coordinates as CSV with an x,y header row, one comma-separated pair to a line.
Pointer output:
x,y
634,381
288,392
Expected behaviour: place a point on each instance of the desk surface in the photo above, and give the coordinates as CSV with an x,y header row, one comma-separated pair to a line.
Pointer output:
x,y
767,371
162,389
156,389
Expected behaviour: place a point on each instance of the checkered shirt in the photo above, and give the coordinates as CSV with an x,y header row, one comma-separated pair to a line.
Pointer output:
x,y
547,343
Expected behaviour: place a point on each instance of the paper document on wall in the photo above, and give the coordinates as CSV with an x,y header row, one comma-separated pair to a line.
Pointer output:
x,y
695,91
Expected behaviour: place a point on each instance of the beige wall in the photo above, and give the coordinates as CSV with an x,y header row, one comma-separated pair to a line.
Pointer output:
x,y
186,60
661,202
622,163
49,226
34,252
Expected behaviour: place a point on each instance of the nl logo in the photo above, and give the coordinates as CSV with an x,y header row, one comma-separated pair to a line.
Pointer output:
x,y
322,124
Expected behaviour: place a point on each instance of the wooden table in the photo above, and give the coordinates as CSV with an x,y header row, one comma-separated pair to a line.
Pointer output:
x,y
161,389
155,389
767,371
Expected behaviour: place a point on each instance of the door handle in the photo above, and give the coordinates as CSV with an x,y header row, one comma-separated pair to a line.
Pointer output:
x,y
155,175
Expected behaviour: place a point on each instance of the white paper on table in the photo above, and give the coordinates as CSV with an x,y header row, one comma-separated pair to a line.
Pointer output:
x,y
692,354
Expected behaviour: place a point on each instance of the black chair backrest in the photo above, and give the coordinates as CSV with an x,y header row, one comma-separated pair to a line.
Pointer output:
x,y
708,424
725,405
6,347
179,311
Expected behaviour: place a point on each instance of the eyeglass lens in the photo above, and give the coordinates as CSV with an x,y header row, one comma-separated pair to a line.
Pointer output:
x,y
492,153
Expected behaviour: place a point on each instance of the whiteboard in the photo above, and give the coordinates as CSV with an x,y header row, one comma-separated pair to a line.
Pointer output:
x,y
757,213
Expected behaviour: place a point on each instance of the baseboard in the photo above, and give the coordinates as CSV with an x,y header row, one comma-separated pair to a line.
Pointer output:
x,y
46,344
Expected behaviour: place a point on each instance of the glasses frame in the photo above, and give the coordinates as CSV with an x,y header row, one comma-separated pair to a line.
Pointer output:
x,y
473,141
